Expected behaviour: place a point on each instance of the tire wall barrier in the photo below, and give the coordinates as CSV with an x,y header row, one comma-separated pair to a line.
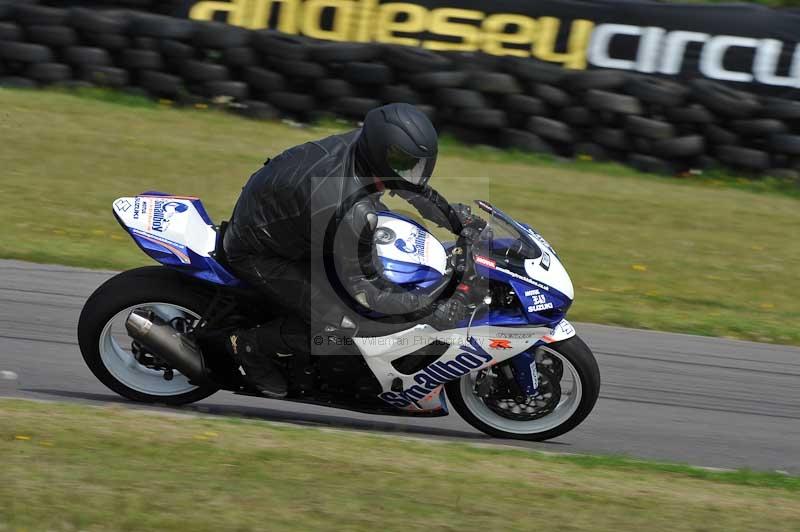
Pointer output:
x,y
653,124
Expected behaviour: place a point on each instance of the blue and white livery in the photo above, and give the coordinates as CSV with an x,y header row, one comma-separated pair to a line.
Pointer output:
x,y
513,368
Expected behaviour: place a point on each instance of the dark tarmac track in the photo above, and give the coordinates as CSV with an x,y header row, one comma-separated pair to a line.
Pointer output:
x,y
703,401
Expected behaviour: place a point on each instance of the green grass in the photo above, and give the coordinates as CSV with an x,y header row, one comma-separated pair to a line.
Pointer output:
x,y
710,256
70,467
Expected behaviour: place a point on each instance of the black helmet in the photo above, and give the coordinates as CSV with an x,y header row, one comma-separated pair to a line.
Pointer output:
x,y
397,141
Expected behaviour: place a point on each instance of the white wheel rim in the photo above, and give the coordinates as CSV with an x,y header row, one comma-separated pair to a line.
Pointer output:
x,y
567,405
121,364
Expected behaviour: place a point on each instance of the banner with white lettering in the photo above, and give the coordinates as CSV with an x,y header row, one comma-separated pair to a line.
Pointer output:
x,y
741,44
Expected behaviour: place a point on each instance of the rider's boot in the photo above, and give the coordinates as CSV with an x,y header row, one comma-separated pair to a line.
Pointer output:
x,y
260,371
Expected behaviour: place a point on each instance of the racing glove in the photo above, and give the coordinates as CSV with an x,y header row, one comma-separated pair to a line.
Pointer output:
x,y
467,219
387,298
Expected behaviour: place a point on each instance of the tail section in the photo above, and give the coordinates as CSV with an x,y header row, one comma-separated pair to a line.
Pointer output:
x,y
175,231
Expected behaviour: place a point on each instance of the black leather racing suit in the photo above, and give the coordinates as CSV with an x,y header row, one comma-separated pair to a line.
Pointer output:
x,y
307,208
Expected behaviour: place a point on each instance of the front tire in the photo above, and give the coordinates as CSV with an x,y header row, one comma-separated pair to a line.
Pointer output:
x,y
103,346
578,363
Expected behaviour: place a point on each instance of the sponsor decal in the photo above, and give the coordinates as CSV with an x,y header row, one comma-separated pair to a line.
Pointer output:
x,y
483,261
139,206
517,336
384,235
428,379
566,328
415,247
545,263
523,278
538,299
497,343
122,205
163,213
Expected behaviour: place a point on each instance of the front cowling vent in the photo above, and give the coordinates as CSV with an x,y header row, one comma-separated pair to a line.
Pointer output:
x,y
417,360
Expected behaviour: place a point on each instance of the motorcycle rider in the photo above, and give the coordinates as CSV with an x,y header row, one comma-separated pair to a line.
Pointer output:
x,y
316,204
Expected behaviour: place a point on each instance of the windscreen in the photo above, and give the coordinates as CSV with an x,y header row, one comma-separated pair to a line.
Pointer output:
x,y
504,238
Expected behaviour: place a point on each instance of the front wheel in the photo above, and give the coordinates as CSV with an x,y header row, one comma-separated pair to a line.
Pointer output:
x,y
115,359
568,389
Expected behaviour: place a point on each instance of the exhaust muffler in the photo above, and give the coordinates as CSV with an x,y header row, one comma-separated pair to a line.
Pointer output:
x,y
168,344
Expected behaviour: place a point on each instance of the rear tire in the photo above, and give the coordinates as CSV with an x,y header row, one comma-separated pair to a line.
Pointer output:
x,y
574,351
152,284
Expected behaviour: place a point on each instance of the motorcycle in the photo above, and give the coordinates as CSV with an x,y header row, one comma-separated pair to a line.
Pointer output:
x,y
514,368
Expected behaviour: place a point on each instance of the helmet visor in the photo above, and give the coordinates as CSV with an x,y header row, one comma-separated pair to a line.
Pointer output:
x,y
407,166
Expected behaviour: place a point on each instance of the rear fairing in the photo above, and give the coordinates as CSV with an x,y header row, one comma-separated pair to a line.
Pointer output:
x,y
175,231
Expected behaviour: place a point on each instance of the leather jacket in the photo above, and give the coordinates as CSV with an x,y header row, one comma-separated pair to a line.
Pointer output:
x,y
309,204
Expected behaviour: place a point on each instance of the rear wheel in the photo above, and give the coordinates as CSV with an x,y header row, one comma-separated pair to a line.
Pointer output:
x,y
119,362
569,383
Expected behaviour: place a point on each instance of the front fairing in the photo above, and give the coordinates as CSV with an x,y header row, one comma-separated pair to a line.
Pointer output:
x,y
515,254
507,252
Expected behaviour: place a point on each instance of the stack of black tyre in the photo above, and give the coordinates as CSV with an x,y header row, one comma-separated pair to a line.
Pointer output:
x,y
162,7
653,124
